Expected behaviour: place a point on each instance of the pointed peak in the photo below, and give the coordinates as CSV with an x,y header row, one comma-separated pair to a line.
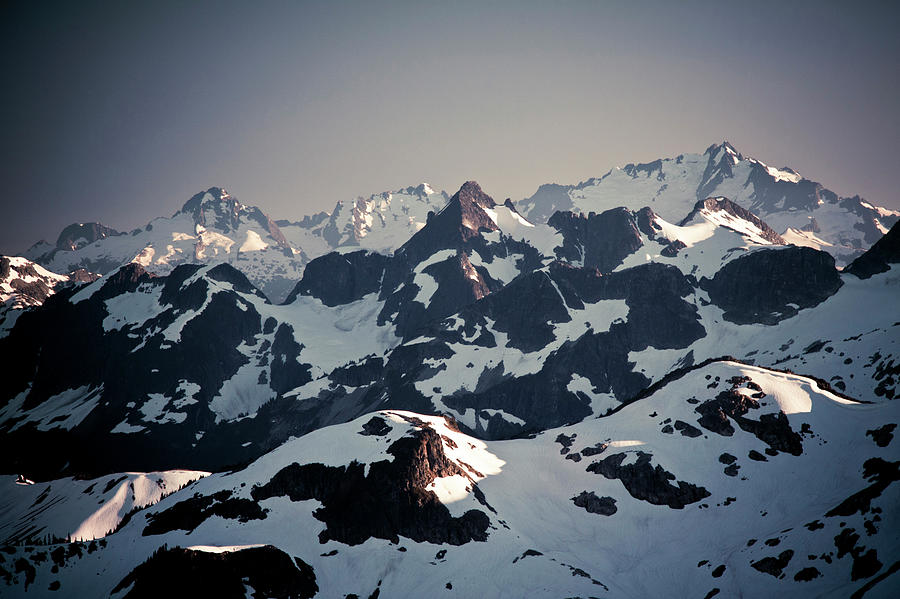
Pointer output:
x,y
726,148
471,192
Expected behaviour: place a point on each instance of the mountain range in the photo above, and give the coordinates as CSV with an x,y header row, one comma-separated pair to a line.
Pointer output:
x,y
676,377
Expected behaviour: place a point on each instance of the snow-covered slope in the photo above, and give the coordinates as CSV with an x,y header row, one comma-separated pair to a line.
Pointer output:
x,y
80,509
380,223
508,326
671,187
727,480
212,228
24,284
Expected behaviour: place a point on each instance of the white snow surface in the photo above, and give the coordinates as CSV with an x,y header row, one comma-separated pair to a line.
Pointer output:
x,y
643,549
81,509
672,186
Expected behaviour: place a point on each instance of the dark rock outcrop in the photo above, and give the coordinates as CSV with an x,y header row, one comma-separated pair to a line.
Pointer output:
x,y
744,287
267,571
649,483
879,257
730,405
605,506
191,513
79,235
337,278
600,241
774,566
389,500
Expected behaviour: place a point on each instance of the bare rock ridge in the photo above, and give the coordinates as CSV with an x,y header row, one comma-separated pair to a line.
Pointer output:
x,y
726,205
879,257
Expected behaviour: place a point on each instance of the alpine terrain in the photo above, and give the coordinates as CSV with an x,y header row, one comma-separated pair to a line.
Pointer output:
x,y
680,378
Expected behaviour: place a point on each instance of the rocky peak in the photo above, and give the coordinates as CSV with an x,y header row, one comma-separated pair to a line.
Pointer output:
x,y
210,196
471,192
712,205
463,218
717,150
215,208
597,240
78,235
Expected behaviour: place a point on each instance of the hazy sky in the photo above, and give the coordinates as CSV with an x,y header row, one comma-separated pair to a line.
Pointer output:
x,y
118,112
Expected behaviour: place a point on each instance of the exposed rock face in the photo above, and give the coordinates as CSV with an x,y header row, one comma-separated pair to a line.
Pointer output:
x,y
527,311
648,483
774,565
658,315
267,571
880,256
337,279
598,241
605,506
732,404
191,513
744,287
25,284
78,235
461,220
729,207
881,474
121,363
395,491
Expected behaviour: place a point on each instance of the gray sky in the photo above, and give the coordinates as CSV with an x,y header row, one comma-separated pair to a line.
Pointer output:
x,y
118,112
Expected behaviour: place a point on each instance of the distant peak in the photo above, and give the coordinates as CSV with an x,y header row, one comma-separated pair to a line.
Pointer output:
x,y
78,235
217,193
726,146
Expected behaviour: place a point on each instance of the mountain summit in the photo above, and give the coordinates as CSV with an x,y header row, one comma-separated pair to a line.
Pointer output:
x,y
845,227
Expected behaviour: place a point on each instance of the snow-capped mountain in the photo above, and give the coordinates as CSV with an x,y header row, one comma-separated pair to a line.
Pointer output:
x,y
491,391
212,227
380,223
24,284
507,326
802,211
730,479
